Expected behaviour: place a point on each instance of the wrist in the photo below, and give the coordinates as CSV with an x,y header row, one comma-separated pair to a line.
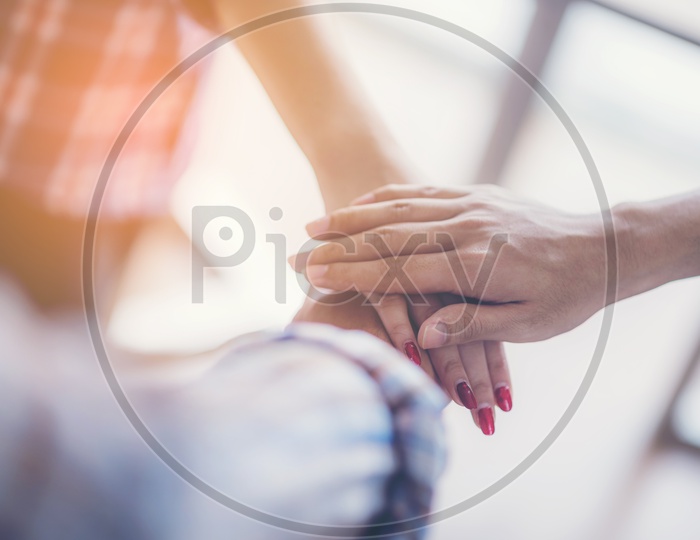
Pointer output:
x,y
658,242
348,166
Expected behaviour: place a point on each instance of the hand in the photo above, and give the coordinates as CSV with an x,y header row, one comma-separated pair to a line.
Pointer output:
x,y
527,271
478,366
481,366
458,369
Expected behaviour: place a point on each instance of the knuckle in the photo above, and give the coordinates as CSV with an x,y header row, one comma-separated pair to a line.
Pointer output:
x,y
485,200
481,388
379,191
328,252
466,328
332,274
429,192
497,363
477,222
339,220
388,190
477,202
401,331
450,367
380,238
400,208
448,238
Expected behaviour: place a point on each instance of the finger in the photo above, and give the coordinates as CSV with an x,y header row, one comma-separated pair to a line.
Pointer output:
x,y
401,239
448,270
369,322
450,374
450,370
500,376
393,312
410,191
464,323
355,219
406,274
473,358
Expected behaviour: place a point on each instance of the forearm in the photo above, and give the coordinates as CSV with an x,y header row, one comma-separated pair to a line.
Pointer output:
x,y
320,102
658,242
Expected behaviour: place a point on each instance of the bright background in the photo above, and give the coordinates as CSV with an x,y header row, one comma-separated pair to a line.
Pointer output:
x,y
632,92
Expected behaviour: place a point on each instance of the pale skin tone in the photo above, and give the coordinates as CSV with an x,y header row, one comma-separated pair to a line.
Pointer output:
x,y
547,278
351,153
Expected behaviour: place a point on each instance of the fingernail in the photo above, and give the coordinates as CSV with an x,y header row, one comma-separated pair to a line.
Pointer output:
x,y
435,336
486,420
412,352
314,273
366,198
319,226
466,395
503,397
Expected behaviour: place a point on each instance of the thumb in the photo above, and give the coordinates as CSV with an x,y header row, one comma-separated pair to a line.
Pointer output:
x,y
462,323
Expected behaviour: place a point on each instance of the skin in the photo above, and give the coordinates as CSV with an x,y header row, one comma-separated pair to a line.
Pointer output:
x,y
351,153
548,277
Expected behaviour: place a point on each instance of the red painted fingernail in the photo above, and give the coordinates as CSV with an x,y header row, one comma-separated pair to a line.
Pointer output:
x,y
412,352
486,421
503,398
466,396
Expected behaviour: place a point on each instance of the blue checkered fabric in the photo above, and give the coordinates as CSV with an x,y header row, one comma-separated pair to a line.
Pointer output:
x,y
313,430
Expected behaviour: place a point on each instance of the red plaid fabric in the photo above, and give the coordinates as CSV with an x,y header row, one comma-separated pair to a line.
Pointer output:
x,y
71,74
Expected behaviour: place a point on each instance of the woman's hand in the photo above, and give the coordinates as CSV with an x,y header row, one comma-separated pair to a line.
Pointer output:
x,y
458,369
526,271
481,366
474,375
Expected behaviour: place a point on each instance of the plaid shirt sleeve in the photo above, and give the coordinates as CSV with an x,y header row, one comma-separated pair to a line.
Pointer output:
x,y
71,74
372,411
316,425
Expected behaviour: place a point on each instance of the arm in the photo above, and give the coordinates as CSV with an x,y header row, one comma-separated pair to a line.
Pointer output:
x,y
322,105
659,242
